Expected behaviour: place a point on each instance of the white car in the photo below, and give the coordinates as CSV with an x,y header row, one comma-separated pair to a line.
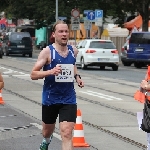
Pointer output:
x,y
97,52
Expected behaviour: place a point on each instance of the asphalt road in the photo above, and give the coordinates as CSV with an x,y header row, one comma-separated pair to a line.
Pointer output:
x,y
106,102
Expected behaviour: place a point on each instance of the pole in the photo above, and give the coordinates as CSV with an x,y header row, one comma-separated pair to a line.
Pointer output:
x,y
56,10
87,35
75,36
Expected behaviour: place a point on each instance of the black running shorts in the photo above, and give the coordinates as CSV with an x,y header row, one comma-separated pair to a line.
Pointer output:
x,y
66,112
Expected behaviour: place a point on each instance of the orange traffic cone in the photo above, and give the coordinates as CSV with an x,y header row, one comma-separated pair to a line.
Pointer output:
x,y
1,99
78,138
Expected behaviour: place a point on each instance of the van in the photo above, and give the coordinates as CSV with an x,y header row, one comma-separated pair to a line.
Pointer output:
x,y
139,49
18,43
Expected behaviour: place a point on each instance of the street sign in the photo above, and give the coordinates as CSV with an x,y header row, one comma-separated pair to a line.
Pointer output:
x,y
62,18
85,12
75,23
91,15
98,13
87,24
75,13
98,17
98,22
3,26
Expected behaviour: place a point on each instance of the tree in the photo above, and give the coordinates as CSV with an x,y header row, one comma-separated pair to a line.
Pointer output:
x,y
43,11
132,6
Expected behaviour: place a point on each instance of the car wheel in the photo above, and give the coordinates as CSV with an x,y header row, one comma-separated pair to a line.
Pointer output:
x,y
23,55
137,65
102,67
126,63
30,55
1,55
115,68
83,66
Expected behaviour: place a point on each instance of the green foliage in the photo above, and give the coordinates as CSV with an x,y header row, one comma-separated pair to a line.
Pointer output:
x,y
43,11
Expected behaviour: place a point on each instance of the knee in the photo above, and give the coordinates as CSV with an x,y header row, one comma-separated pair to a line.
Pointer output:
x,y
66,133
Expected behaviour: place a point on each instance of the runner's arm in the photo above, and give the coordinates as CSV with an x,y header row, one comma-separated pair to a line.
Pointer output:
x,y
36,72
1,82
78,78
75,54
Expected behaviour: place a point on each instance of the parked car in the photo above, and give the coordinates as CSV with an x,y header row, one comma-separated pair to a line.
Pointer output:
x,y
96,52
139,49
1,51
79,43
123,57
18,43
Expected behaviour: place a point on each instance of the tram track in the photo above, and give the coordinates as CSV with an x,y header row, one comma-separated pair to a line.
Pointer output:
x,y
100,128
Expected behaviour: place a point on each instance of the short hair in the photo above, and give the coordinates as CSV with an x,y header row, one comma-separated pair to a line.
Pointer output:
x,y
56,23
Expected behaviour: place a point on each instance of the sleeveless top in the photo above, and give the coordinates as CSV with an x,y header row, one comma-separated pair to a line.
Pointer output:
x,y
58,92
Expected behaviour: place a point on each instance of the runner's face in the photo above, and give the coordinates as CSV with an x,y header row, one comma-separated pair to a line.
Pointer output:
x,y
61,34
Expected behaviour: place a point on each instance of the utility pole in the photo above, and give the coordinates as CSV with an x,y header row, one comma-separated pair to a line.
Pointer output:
x,y
56,10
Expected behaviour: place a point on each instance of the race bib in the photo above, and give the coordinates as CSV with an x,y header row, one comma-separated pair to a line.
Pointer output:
x,y
67,74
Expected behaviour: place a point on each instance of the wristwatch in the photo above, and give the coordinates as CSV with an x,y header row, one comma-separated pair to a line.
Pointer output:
x,y
76,76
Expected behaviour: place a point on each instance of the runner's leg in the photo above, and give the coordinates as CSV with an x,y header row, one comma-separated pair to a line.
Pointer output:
x,y
67,119
66,129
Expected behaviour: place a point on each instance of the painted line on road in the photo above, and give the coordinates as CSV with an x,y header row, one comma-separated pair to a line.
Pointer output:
x,y
40,127
5,75
101,95
2,67
32,59
8,72
13,72
19,75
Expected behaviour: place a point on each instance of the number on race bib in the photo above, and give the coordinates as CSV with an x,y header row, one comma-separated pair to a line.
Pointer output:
x,y
67,74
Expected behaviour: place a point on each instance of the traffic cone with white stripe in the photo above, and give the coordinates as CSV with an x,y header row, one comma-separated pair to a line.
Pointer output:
x,y
78,138
1,99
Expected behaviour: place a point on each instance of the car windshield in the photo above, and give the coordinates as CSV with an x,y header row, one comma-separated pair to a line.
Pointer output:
x,y
102,44
79,44
127,43
19,37
140,38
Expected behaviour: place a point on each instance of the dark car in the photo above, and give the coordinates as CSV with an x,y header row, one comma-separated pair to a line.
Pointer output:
x,y
124,50
1,51
18,43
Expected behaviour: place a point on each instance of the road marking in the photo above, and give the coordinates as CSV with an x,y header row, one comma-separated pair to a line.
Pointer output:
x,y
32,59
11,72
101,95
40,127
5,75
23,75
8,72
2,67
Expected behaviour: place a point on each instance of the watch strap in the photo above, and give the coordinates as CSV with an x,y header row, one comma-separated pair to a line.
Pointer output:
x,y
76,76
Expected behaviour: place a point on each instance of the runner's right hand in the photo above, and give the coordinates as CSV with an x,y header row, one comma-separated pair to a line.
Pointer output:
x,y
56,70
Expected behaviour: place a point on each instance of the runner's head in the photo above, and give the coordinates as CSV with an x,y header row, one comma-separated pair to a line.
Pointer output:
x,y
61,33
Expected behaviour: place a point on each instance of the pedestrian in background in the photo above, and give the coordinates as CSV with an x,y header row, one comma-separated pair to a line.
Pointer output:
x,y
145,126
58,97
1,82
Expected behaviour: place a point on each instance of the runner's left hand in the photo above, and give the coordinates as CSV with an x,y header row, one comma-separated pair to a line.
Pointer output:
x,y
80,82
